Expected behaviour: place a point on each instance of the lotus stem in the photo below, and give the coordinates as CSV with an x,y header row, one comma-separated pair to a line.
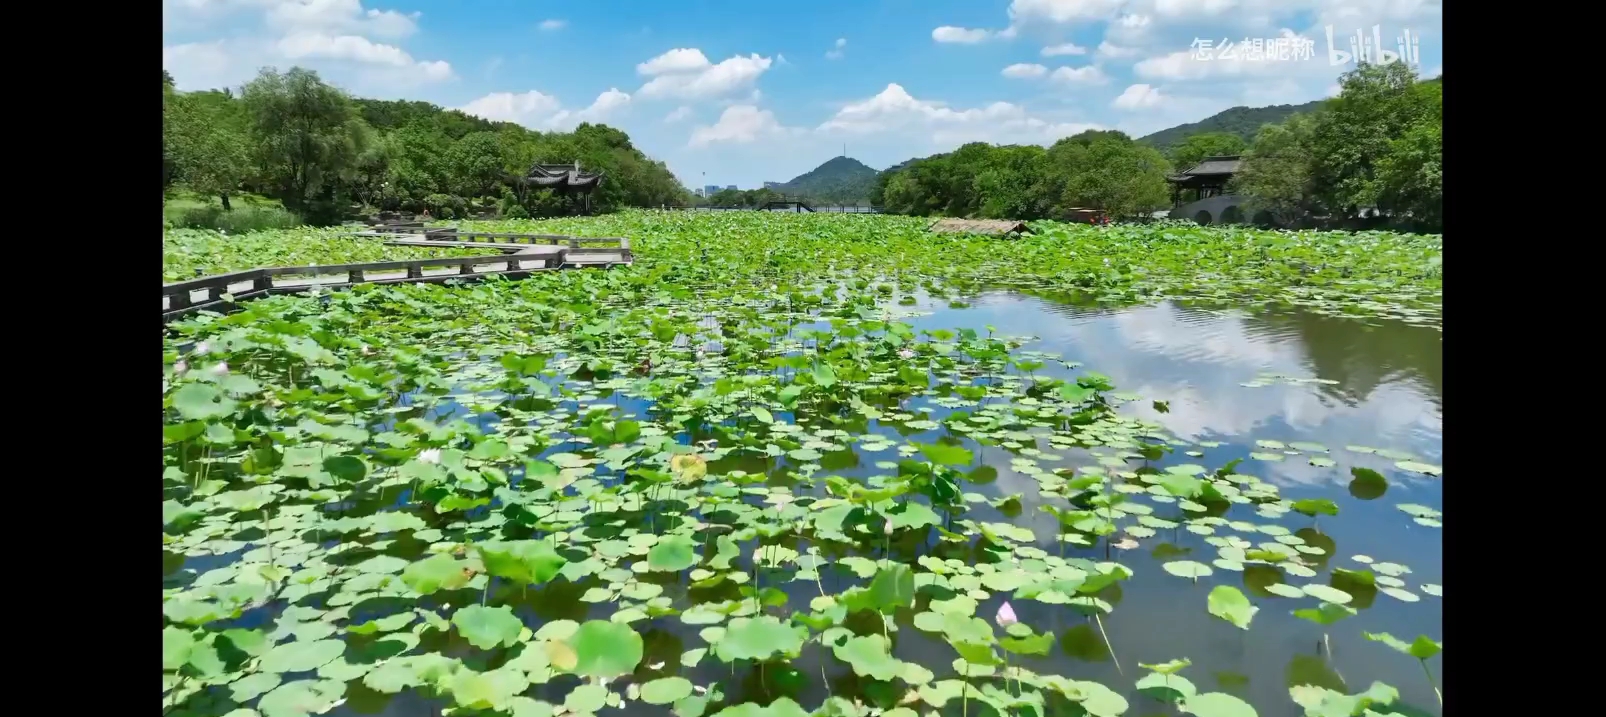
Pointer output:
x,y
964,691
1107,644
1431,683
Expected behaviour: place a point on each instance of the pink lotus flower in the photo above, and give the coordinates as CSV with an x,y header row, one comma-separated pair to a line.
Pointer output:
x,y
906,354
220,369
1006,615
180,367
202,348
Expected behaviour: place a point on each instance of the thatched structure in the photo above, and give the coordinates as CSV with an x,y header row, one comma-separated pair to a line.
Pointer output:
x,y
990,227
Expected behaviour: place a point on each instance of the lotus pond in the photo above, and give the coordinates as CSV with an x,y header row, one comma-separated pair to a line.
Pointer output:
x,y
820,464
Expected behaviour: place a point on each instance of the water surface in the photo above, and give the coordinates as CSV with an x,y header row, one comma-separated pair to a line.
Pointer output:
x,y
1360,383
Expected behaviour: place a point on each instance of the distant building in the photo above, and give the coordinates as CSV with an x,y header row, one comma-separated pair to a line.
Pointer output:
x,y
731,187
710,190
1204,180
773,185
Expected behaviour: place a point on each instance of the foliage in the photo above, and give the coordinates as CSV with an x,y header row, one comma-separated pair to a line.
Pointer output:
x,y
307,137
1276,171
566,493
1207,144
205,141
1377,145
324,154
742,198
239,220
1241,122
1093,170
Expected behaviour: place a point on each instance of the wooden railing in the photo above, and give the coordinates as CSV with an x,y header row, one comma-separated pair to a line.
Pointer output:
x,y
543,252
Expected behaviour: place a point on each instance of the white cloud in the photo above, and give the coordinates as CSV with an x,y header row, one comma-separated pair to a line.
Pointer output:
x,y
735,74
537,110
1021,70
200,65
355,48
1192,8
895,110
679,113
600,110
1064,48
1107,50
680,59
528,108
1134,21
1059,12
1138,97
1089,75
553,24
344,16
349,44
836,51
1184,65
739,124
960,35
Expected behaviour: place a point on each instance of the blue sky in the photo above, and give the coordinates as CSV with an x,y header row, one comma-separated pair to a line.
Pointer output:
x,y
742,92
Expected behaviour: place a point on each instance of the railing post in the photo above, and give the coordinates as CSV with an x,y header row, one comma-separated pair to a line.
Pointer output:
x,y
354,276
415,271
262,282
180,300
465,269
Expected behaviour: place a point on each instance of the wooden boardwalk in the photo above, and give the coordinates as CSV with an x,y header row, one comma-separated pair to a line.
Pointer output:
x,y
518,256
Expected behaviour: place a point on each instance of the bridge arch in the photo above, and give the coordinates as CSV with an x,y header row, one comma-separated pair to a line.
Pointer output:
x,y
1220,209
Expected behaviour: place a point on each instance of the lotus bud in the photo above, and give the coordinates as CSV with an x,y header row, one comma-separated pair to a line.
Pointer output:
x,y
180,367
429,455
220,369
1006,615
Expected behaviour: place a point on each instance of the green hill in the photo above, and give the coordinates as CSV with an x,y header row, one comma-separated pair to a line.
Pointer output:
x,y
1241,121
840,180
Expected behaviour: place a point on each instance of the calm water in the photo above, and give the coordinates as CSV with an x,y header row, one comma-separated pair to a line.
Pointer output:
x,y
1382,388
1386,392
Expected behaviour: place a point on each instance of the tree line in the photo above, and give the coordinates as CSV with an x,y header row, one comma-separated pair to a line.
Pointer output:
x,y
326,155
1376,146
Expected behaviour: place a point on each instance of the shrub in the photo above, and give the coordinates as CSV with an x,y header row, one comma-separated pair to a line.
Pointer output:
x,y
239,221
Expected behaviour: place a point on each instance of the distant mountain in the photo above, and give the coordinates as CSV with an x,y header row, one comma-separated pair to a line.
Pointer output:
x,y
1241,121
840,179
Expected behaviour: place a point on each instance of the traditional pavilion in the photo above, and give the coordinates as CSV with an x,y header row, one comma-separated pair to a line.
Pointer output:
x,y
1205,179
564,179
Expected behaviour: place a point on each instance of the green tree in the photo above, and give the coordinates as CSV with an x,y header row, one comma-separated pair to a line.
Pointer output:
x,y
1209,144
308,138
1010,186
475,165
1121,177
205,141
1355,130
1410,176
1277,171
